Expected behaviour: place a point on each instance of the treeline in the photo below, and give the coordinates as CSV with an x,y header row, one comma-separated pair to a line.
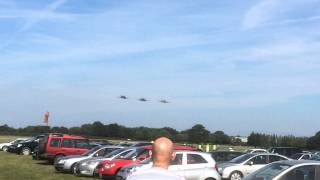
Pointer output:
x,y
266,141
196,134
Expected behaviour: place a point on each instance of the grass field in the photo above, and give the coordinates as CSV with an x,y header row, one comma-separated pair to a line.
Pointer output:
x,y
18,167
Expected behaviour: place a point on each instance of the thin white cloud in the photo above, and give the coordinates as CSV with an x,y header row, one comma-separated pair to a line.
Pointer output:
x,y
43,14
267,12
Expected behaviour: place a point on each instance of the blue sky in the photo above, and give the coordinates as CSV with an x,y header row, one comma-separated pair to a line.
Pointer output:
x,y
236,66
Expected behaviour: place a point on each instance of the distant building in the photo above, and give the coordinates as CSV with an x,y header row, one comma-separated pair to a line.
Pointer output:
x,y
243,139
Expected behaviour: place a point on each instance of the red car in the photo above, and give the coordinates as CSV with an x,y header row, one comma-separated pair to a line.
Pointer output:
x,y
55,145
108,169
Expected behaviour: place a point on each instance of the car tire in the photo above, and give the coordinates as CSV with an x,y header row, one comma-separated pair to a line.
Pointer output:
x,y
210,179
236,175
26,151
73,168
5,148
57,158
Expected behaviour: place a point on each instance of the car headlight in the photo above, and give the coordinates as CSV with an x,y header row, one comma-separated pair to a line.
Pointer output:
x,y
109,165
61,161
131,170
91,162
19,145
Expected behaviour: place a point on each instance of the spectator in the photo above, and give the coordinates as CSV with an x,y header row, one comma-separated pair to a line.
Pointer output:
x,y
162,154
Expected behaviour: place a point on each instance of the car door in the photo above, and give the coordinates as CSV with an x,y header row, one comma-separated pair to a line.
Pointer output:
x,y
255,163
195,166
54,146
176,165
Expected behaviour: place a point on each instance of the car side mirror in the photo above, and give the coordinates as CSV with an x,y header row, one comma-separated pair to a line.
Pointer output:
x,y
250,163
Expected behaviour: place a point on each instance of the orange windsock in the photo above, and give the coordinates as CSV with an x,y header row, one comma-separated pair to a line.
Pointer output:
x,y
46,118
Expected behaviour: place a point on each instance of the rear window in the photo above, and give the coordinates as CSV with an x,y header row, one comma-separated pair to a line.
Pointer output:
x,y
81,143
195,159
68,143
54,142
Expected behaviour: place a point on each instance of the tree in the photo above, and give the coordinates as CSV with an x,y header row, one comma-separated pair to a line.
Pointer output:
x,y
198,134
219,137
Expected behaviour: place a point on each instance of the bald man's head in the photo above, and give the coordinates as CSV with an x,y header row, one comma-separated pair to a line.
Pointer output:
x,y
162,152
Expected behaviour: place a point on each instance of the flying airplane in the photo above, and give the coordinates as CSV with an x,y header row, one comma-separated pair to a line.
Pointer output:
x,y
142,99
123,97
164,101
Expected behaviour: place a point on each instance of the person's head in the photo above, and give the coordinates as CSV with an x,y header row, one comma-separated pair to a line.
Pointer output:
x,y
162,152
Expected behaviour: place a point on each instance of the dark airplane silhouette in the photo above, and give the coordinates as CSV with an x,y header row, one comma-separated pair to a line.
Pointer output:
x,y
123,97
164,101
142,99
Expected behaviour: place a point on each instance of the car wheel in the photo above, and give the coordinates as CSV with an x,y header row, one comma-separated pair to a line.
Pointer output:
x,y
57,158
4,148
73,168
26,151
210,179
236,175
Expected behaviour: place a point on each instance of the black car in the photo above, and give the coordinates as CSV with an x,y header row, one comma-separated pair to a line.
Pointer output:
x,y
286,151
26,147
223,156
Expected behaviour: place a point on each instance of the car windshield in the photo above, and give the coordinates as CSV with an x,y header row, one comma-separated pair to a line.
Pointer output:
x,y
114,153
133,154
91,151
241,158
268,172
295,156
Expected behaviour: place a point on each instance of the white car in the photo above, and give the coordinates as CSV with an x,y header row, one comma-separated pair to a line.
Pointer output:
x,y
245,164
302,156
191,165
288,170
256,151
68,163
4,146
86,167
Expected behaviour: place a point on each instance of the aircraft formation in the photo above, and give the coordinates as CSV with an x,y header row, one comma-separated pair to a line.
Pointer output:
x,y
143,99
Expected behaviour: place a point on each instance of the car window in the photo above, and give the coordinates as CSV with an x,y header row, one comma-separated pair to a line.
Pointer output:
x,y
273,158
195,159
81,143
177,160
54,142
301,173
262,159
68,143
306,156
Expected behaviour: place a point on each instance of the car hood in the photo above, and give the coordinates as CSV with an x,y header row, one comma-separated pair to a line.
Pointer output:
x,y
224,165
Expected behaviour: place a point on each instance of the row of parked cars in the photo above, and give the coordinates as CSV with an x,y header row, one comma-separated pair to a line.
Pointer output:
x,y
75,154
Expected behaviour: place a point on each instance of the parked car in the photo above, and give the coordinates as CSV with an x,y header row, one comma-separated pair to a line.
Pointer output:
x,y
288,170
286,151
256,151
4,146
25,147
301,156
188,164
223,156
245,164
108,169
86,167
68,163
55,145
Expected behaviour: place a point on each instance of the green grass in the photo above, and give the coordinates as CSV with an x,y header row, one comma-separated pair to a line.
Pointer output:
x,y
17,167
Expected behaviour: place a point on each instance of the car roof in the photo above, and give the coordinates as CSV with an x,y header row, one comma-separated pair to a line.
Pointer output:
x,y
296,162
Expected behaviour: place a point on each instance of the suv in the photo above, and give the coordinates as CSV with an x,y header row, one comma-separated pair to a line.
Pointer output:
x,y
25,147
286,151
55,145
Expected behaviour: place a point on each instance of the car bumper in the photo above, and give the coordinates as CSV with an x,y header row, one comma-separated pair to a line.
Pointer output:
x,y
106,176
14,149
87,170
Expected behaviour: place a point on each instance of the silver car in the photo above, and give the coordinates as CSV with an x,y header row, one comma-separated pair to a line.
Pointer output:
x,y
245,164
191,165
288,170
67,163
86,167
